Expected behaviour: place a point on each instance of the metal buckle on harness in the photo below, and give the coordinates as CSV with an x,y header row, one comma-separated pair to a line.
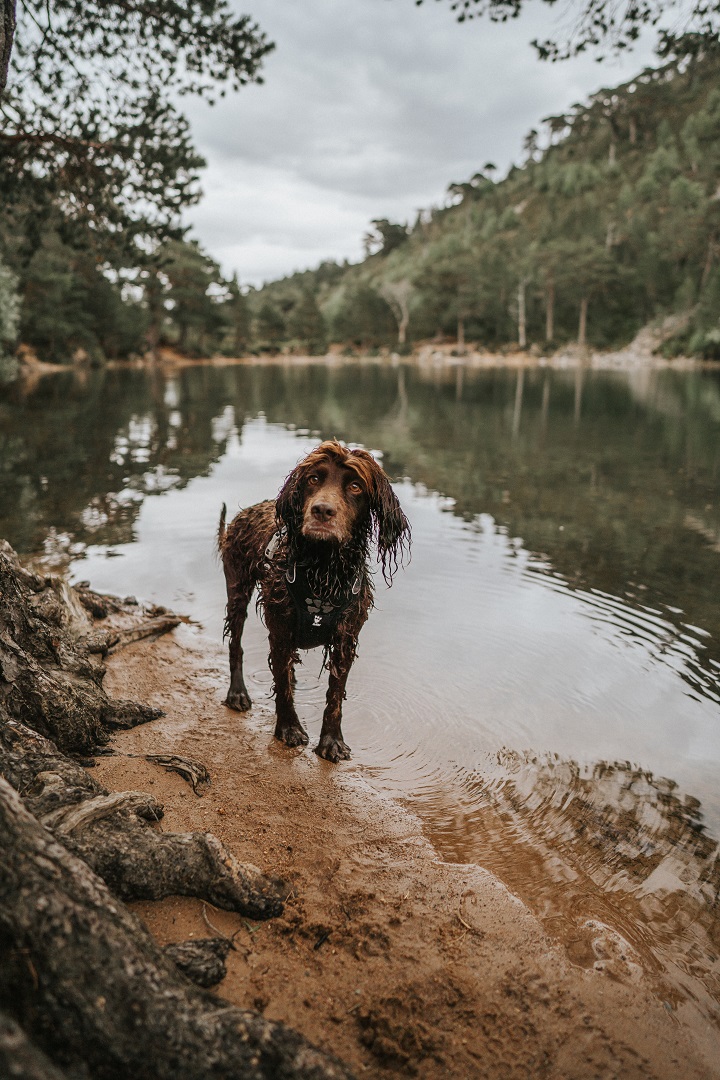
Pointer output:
x,y
273,545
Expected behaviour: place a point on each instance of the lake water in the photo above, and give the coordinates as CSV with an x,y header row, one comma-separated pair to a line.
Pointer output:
x,y
542,683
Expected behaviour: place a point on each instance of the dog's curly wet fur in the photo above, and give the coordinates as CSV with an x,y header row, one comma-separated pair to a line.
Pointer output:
x,y
316,538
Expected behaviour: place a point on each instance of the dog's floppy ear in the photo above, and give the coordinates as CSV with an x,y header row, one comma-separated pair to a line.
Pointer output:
x,y
391,528
288,506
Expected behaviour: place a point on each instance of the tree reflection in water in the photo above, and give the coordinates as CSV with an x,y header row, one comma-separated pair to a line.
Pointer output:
x,y
615,862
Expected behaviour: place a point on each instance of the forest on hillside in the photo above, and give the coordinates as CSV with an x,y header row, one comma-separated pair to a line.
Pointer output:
x,y
613,221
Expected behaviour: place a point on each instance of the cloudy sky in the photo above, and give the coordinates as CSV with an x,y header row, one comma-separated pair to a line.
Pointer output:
x,y
369,109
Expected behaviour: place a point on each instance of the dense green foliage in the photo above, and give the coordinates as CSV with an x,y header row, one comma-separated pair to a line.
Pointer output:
x,y
612,222
89,124
73,307
97,165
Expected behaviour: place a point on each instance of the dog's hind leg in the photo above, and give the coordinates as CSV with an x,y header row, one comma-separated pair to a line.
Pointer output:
x,y
238,601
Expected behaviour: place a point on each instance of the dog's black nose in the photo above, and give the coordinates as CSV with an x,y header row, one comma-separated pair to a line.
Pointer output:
x,y
323,511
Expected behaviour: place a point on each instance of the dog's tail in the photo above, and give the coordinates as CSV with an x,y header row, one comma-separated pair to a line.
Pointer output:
x,y
221,527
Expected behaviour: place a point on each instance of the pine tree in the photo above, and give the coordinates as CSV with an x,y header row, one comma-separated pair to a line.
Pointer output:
x,y
306,325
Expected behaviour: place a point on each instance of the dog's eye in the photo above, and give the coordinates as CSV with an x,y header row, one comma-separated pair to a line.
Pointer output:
x,y
313,479
355,487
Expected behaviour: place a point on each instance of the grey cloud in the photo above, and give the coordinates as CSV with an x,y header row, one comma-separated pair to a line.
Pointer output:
x,y
370,108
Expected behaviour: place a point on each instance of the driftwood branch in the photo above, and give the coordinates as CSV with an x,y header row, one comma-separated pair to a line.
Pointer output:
x,y
151,628
191,770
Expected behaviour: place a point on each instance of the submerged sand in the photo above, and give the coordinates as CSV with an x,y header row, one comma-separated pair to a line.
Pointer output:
x,y
386,956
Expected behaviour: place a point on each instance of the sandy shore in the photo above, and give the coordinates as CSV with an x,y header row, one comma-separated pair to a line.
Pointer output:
x,y
390,958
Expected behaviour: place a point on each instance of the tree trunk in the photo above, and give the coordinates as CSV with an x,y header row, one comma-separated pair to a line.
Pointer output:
x,y
582,327
550,309
91,988
709,256
396,295
7,34
461,334
522,332
154,293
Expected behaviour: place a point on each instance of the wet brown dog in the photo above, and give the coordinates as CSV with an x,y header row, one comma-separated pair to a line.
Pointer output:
x,y
308,553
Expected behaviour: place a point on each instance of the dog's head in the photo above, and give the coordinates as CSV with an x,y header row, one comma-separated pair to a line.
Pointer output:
x,y
337,496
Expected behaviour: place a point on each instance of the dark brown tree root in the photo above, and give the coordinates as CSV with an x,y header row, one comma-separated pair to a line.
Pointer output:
x,y
138,863
95,993
121,714
49,678
111,832
19,1058
202,961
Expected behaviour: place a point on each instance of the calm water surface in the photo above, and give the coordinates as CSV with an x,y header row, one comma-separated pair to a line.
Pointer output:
x,y
541,684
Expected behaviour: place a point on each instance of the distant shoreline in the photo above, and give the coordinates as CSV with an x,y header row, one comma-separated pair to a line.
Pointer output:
x,y
424,355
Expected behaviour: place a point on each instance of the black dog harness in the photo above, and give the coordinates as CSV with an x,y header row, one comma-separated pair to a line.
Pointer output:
x,y
316,616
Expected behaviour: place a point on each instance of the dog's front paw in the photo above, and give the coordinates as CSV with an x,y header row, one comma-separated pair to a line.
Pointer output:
x,y
238,700
292,735
332,748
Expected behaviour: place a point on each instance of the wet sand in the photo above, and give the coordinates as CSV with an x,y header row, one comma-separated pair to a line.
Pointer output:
x,y
394,960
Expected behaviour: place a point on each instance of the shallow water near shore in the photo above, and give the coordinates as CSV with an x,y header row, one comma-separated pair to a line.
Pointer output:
x,y
540,685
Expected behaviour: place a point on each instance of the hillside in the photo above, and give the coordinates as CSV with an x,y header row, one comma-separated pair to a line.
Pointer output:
x,y
613,221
